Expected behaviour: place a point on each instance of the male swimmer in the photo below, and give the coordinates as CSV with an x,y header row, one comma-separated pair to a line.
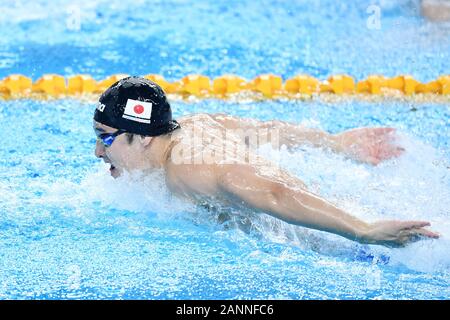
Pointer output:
x,y
204,160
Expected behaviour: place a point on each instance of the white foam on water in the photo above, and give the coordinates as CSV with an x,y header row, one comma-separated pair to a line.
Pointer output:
x,y
131,191
138,193
415,186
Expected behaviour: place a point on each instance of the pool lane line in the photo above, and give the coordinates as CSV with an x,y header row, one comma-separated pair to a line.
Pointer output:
x,y
266,86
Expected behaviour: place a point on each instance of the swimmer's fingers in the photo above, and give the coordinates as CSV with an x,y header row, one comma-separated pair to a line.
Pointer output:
x,y
390,145
394,233
414,224
383,134
382,147
398,151
414,235
413,231
384,130
390,151
424,233
373,160
371,145
385,154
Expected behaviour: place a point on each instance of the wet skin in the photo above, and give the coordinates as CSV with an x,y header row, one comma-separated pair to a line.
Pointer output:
x,y
192,171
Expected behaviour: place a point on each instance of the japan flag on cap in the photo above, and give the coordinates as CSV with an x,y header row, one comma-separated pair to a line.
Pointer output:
x,y
138,111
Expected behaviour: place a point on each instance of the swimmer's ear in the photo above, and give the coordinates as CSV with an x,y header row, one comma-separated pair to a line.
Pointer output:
x,y
145,141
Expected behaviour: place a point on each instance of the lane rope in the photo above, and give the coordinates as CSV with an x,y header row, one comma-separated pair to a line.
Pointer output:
x,y
267,86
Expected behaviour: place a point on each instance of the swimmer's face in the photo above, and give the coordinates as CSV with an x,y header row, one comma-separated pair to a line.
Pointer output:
x,y
121,154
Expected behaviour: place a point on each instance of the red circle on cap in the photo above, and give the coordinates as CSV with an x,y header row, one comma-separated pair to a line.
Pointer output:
x,y
138,109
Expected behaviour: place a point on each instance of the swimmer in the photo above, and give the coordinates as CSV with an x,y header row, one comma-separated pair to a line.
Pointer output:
x,y
436,10
205,159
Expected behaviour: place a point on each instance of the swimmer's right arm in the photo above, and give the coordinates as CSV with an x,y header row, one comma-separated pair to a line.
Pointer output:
x,y
301,207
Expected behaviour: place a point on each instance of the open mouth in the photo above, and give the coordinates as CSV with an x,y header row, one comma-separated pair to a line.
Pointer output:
x,y
114,171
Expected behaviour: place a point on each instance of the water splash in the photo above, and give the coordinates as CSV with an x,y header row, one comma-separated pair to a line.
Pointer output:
x,y
415,186
412,187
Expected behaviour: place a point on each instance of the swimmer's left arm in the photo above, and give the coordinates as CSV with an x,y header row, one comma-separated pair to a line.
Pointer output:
x,y
369,145
289,134
301,207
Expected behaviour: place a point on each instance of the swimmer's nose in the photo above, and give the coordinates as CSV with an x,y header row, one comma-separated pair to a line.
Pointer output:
x,y
99,149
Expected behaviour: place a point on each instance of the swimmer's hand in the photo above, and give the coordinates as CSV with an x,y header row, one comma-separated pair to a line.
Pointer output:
x,y
370,145
397,233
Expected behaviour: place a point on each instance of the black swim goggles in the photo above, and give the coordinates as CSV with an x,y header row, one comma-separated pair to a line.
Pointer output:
x,y
107,139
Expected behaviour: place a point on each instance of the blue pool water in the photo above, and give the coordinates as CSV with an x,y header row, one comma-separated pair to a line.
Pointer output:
x,y
68,230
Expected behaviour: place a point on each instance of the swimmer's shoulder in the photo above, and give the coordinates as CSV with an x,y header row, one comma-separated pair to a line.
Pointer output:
x,y
194,117
191,179
200,121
